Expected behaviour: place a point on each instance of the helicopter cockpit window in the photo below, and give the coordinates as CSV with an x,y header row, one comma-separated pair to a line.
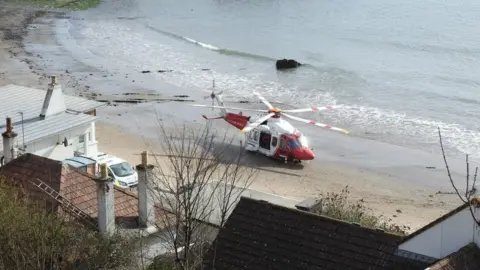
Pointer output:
x,y
293,144
303,141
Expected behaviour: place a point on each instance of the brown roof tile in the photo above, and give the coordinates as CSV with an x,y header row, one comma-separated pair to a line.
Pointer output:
x,y
467,257
260,235
77,187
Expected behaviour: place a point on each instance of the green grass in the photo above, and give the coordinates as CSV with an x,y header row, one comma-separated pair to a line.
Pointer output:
x,y
67,4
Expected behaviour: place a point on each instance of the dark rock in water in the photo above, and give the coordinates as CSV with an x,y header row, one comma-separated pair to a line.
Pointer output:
x,y
146,71
205,69
162,70
287,63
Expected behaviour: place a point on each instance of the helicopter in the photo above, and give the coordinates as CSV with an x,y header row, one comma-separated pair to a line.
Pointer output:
x,y
271,135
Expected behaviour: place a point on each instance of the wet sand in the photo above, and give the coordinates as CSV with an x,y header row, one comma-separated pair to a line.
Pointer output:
x,y
393,181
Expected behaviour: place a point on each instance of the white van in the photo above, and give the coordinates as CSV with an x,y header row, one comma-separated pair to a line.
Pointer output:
x,y
121,171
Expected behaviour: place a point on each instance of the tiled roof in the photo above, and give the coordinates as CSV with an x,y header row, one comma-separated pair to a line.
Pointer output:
x,y
15,98
467,257
72,184
260,235
406,260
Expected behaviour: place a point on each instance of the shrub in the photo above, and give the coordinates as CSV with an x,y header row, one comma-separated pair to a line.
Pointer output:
x,y
35,239
337,205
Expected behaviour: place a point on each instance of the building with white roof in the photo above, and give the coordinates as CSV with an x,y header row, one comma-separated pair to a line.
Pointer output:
x,y
46,123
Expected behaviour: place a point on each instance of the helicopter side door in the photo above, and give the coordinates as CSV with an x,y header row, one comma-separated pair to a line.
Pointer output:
x,y
274,144
283,150
264,142
252,140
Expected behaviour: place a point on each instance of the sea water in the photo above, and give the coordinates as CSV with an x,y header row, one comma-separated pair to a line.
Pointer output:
x,y
401,68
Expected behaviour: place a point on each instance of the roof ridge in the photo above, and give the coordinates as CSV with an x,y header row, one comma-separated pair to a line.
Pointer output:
x,y
325,233
129,193
77,170
351,224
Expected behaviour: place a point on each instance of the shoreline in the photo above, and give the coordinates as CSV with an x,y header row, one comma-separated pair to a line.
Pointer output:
x,y
382,190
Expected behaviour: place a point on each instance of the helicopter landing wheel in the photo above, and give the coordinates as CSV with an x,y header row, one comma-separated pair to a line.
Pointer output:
x,y
296,161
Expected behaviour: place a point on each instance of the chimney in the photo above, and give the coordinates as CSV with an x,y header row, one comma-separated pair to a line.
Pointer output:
x,y
8,142
54,101
106,204
146,207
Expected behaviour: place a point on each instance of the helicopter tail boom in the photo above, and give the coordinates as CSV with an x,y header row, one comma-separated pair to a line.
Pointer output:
x,y
212,118
237,120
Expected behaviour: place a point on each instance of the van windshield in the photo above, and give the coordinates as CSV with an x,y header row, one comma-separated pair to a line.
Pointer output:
x,y
122,169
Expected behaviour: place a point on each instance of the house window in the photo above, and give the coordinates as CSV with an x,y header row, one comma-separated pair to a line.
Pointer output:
x,y
81,139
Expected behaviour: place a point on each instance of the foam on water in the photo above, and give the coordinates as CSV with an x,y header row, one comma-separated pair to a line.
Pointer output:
x,y
121,44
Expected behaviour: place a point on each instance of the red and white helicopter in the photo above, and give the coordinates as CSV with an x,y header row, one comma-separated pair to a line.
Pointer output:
x,y
271,135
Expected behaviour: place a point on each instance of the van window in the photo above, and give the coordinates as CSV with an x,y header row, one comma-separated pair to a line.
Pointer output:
x,y
122,169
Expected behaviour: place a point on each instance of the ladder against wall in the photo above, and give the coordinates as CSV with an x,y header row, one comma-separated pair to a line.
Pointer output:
x,y
66,205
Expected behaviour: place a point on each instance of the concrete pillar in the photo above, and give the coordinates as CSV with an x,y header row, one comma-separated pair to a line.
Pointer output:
x,y
146,203
93,138
8,142
86,151
106,202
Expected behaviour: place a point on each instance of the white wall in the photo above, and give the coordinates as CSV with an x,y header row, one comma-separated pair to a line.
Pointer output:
x,y
52,146
446,237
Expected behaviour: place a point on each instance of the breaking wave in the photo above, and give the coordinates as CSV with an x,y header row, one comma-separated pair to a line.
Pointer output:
x,y
215,48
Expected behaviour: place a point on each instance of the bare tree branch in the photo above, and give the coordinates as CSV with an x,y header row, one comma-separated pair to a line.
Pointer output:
x,y
448,168
469,192
199,178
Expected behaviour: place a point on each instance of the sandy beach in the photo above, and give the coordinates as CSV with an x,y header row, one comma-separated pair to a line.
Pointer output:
x,y
373,172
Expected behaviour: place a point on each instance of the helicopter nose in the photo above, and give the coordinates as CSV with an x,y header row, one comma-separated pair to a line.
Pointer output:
x,y
303,153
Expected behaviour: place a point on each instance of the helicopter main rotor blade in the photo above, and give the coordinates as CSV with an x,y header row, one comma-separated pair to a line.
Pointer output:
x,y
312,109
257,123
315,123
263,100
231,108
